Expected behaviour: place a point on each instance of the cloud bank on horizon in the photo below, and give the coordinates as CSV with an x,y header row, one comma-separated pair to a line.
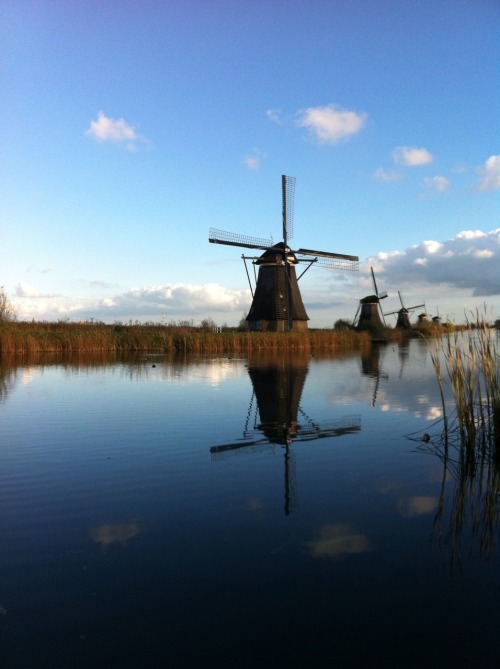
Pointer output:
x,y
466,264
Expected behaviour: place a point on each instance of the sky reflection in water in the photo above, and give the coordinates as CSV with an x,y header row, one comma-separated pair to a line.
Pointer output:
x,y
227,512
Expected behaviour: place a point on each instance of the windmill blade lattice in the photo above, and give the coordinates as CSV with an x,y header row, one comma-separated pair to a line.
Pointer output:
x,y
333,260
288,193
233,239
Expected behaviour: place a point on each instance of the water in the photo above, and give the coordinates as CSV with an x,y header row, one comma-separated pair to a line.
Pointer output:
x,y
227,512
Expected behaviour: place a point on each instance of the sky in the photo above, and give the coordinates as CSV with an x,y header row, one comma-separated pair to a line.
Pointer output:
x,y
129,129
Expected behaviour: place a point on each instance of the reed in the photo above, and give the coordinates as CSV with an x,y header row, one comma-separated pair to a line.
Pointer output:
x,y
471,360
23,338
469,445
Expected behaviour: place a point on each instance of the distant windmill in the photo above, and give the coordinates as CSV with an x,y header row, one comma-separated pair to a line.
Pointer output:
x,y
403,314
423,318
436,320
277,303
369,313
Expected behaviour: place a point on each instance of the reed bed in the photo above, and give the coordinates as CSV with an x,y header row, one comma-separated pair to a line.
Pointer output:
x,y
468,438
471,362
23,338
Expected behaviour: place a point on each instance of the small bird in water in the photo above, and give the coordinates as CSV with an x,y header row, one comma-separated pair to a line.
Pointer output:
x,y
426,437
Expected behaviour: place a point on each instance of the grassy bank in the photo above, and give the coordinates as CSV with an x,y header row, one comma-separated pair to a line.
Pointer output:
x,y
20,338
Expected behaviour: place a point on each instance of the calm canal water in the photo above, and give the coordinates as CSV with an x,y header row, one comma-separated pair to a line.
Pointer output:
x,y
242,513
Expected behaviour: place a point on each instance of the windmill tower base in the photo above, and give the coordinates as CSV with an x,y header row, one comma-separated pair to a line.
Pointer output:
x,y
276,289
369,318
403,322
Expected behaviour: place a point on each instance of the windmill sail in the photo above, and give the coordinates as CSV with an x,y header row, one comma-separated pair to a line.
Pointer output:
x,y
288,196
233,239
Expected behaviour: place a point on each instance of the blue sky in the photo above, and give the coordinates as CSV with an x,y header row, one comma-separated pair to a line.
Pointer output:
x,y
128,129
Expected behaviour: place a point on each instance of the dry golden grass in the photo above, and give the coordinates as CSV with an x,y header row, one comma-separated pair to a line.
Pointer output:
x,y
22,338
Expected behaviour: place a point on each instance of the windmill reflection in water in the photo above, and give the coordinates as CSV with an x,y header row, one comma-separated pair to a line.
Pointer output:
x,y
277,419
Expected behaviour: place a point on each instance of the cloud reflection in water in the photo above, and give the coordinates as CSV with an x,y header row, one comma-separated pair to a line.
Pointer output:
x,y
338,539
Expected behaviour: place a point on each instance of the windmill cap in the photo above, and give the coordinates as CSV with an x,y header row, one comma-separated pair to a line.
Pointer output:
x,y
369,299
269,255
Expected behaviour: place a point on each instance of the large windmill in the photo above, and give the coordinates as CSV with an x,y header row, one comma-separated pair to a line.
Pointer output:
x,y
403,314
369,314
277,304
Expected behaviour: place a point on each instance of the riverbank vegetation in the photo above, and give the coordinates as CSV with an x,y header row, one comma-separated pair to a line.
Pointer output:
x,y
471,362
23,337
467,364
18,338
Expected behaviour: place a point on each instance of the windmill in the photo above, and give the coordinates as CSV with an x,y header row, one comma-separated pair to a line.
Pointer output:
x,y
436,320
277,303
403,314
369,314
279,421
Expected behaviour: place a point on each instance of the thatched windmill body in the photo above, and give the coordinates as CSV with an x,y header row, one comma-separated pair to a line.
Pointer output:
x,y
277,303
369,315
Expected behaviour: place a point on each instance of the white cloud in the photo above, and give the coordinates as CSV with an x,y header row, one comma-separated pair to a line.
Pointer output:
x,y
469,262
274,115
116,131
432,246
187,297
252,162
177,301
471,234
387,176
489,174
254,159
484,253
330,124
437,183
411,156
25,290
